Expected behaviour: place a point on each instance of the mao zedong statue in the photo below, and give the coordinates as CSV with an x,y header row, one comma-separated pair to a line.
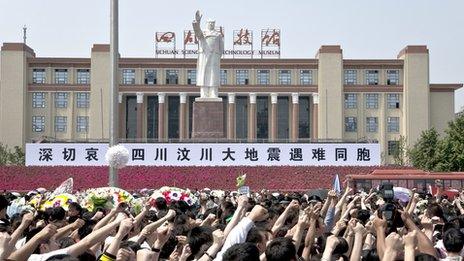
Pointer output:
x,y
210,49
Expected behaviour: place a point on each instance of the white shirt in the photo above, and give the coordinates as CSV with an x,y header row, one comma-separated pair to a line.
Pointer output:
x,y
43,257
236,236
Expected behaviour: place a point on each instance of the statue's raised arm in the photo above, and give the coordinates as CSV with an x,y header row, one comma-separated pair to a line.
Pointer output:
x,y
196,26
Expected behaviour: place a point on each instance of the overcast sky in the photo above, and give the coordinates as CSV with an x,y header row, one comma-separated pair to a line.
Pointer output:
x,y
366,29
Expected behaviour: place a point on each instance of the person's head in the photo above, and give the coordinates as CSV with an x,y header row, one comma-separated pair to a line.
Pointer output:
x,y
241,252
3,206
210,24
281,249
425,257
453,240
259,237
56,214
370,254
74,210
62,257
160,203
45,246
199,239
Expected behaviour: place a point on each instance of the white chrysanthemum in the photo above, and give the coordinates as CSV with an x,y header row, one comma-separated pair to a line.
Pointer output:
x,y
117,156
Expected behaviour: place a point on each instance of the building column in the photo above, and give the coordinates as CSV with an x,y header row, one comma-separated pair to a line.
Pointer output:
x,y
231,116
295,117
273,132
183,116
314,112
161,116
139,116
252,117
122,131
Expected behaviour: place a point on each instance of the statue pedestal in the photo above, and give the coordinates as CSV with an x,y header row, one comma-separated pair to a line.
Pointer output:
x,y
208,119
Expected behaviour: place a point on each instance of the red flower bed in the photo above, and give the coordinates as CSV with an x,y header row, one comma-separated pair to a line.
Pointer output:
x,y
130,178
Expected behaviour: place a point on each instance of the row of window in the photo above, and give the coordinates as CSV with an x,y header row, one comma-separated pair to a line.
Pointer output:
x,y
372,77
372,124
61,122
61,76
372,100
61,99
263,77
242,77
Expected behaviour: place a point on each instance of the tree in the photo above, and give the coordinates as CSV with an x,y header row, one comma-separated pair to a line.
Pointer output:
x,y
451,148
399,154
11,157
423,154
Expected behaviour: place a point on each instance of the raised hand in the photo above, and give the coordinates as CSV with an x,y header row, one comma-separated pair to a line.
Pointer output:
x,y
198,16
394,242
218,237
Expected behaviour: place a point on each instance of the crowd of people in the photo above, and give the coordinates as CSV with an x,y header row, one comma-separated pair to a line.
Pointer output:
x,y
349,225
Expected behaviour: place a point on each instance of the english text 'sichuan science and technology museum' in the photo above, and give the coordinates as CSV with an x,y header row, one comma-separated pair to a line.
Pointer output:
x,y
327,98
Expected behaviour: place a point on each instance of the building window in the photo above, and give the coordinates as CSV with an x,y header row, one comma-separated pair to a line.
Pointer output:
x,y
372,101
128,76
60,123
192,77
393,100
393,124
82,123
150,77
61,76
393,77
372,124
351,101
351,124
223,77
82,99
38,123
263,77
306,77
172,76
285,77
61,99
350,77
241,77
83,76
393,146
38,100
372,77
38,76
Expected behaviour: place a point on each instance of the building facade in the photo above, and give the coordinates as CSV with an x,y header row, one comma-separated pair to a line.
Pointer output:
x,y
327,98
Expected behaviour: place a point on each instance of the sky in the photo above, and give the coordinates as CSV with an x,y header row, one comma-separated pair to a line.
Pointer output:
x,y
365,29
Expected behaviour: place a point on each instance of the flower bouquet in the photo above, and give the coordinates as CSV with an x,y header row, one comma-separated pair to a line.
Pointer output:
x,y
61,200
175,194
106,198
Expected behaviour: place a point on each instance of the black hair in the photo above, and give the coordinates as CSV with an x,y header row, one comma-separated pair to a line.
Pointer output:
x,y
363,215
85,230
280,249
76,206
242,252
425,257
65,242
57,214
453,240
370,255
161,203
199,236
342,247
3,202
62,257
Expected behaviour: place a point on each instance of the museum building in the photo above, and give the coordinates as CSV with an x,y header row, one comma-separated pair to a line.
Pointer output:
x,y
324,99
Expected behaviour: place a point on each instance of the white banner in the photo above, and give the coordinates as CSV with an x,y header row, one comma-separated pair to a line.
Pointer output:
x,y
208,154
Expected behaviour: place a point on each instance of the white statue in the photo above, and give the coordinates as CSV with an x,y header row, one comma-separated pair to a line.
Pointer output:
x,y
210,49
